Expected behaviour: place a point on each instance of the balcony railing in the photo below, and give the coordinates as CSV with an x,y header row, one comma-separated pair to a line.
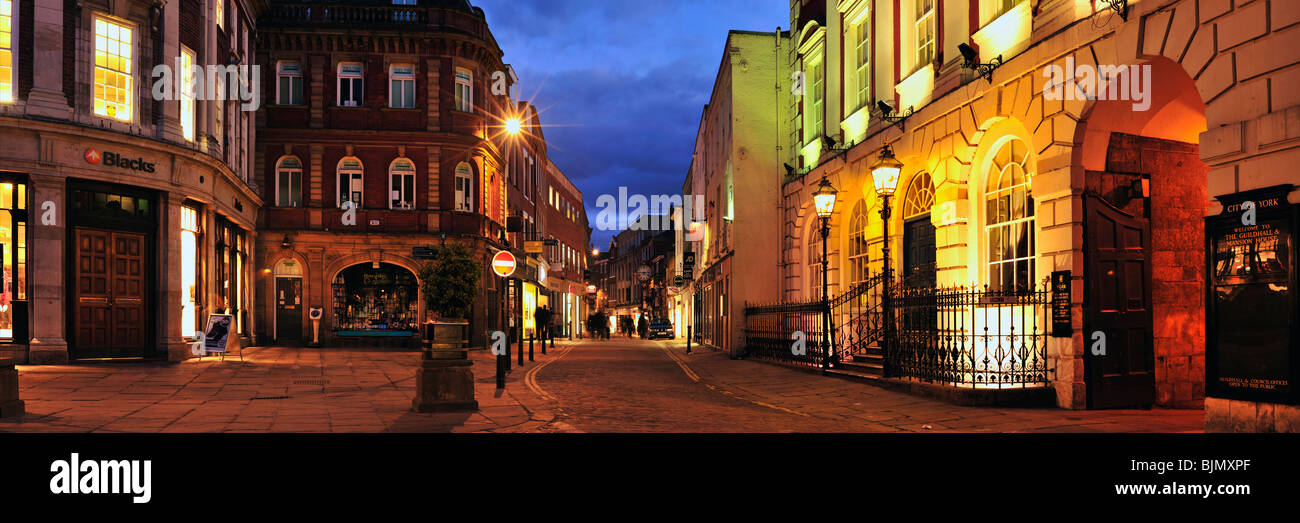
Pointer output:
x,y
345,15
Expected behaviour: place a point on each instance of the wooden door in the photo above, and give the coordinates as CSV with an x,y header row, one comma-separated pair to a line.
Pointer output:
x,y
288,310
919,252
111,294
1118,307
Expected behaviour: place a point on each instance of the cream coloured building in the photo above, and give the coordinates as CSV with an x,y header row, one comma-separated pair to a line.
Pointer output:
x,y
1008,179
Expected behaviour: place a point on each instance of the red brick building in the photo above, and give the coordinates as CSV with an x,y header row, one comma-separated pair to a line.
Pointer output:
x,y
381,132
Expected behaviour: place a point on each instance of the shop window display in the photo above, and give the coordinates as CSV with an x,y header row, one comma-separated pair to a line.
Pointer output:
x,y
375,299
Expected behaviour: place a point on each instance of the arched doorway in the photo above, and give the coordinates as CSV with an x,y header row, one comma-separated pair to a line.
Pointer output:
x,y
288,302
918,232
375,299
1143,198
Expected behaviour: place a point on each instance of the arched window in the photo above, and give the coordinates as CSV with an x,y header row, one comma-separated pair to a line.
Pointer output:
x,y
814,259
1009,219
920,196
857,231
401,185
464,188
351,182
288,182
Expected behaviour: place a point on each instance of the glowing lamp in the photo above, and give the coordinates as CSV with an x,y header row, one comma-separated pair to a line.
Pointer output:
x,y
884,173
824,199
513,126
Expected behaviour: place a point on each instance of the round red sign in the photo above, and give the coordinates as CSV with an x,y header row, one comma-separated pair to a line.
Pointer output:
x,y
93,156
503,264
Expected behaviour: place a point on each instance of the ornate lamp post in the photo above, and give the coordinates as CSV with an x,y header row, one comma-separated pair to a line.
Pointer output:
x,y
884,174
824,201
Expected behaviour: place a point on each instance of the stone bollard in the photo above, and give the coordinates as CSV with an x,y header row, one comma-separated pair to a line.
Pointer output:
x,y
10,405
445,380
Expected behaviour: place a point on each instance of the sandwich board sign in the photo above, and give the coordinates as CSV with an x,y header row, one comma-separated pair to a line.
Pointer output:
x,y
216,336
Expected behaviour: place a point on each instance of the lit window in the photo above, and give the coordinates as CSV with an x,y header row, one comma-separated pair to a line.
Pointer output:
x,y
464,91
6,51
220,12
401,184
351,185
288,87
1009,219
815,103
113,65
189,271
401,80
13,259
814,260
350,84
925,32
187,93
464,188
863,52
288,182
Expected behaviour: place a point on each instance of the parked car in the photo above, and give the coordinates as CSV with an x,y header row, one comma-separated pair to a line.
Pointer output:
x,y
661,327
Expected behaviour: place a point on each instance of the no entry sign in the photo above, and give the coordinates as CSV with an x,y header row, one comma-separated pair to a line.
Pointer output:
x,y
503,264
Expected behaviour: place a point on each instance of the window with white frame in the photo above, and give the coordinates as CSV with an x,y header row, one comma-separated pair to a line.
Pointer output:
x,y
464,188
401,90
862,61
351,182
187,93
1009,219
858,255
113,66
814,260
464,90
288,84
6,51
288,182
924,30
351,84
401,185
814,102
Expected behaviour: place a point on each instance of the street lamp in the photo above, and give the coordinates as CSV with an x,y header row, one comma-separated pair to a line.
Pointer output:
x,y
824,201
884,174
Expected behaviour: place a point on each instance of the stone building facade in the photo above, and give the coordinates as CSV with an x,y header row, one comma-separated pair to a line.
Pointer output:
x,y
1110,187
375,143
127,208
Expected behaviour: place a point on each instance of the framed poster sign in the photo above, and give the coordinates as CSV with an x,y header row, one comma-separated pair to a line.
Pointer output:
x,y
217,333
1251,309
1061,292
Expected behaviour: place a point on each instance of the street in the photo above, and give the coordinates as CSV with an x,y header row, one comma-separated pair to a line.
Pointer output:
x,y
621,385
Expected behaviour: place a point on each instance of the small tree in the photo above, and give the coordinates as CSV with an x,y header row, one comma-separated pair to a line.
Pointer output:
x,y
450,283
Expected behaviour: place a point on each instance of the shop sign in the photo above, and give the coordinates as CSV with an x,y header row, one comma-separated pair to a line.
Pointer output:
x,y
1252,309
109,159
217,334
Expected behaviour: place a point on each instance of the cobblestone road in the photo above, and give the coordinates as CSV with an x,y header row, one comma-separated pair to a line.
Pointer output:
x,y
626,385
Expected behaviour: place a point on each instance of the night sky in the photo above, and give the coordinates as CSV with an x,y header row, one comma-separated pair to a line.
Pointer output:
x,y
621,84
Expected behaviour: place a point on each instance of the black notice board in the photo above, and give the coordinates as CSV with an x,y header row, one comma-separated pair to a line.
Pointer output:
x,y
1061,290
1251,310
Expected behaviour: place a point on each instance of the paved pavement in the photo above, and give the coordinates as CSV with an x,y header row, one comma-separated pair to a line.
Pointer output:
x,y
619,385
638,386
274,390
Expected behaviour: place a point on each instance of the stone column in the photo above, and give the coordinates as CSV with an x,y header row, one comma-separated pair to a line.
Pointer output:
x,y
171,52
46,97
49,343
169,280
10,405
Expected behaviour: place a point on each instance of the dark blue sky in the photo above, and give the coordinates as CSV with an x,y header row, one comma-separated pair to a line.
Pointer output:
x,y
622,83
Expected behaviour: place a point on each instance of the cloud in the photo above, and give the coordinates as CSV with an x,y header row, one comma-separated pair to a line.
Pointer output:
x,y
621,84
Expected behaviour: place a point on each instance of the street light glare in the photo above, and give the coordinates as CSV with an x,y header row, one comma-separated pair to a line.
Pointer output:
x,y
513,126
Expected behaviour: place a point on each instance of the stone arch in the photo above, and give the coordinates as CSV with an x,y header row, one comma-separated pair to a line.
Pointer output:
x,y
997,134
334,267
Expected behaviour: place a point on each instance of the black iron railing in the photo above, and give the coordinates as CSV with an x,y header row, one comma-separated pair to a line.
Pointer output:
x,y
790,332
961,337
971,337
